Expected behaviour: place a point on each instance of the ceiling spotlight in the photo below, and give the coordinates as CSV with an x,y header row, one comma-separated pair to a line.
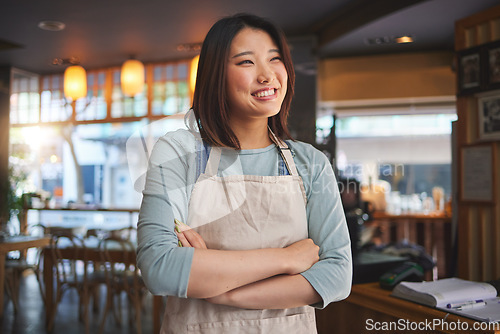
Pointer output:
x,y
189,47
386,40
51,25
404,39
378,40
65,61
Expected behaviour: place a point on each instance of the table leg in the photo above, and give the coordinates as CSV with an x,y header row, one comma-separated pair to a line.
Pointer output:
x,y
2,278
49,284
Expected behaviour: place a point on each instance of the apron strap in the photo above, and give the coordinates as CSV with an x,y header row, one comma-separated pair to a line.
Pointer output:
x,y
213,161
285,153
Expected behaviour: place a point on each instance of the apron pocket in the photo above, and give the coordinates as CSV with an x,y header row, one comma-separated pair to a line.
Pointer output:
x,y
291,324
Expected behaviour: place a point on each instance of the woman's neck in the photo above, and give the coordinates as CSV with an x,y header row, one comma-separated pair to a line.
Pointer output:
x,y
252,135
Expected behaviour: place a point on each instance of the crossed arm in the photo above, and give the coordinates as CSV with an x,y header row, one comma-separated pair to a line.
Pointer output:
x,y
254,279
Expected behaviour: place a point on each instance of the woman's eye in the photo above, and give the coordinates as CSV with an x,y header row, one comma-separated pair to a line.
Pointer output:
x,y
277,58
245,62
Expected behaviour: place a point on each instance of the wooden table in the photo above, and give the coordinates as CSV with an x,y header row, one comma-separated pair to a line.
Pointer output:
x,y
13,244
368,303
91,254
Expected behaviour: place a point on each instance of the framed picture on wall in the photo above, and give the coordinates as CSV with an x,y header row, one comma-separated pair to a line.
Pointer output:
x,y
470,71
492,73
489,116
477,173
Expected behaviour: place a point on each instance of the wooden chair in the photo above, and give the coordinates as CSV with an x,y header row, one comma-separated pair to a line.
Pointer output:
x,y
71,272
122,276
15,267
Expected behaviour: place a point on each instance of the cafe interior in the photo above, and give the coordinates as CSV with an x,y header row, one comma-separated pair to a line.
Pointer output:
x,y
402,96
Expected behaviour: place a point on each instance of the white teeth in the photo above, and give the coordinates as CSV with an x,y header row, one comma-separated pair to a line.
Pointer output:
x,y
264,93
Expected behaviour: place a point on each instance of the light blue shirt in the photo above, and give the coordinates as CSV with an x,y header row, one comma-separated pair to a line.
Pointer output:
x,y
176,162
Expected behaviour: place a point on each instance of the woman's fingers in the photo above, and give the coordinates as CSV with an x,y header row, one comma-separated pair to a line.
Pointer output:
x,y
183,240
191,238
195,240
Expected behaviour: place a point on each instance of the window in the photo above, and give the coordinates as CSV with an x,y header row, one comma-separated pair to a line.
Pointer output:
x,y
25,98
85,158
125,106
94,107
408,153
53,104
170,89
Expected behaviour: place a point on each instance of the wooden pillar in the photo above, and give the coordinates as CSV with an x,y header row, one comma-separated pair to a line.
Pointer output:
x,y
302,119
4,141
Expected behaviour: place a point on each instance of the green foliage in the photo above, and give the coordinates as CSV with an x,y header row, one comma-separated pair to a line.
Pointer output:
x,y
13,203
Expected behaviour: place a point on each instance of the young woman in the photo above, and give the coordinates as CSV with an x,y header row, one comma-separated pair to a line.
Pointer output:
x,y
267,234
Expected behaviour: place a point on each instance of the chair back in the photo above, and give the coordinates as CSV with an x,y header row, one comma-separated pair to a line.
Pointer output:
x,y
38,230
127,233
80,231
68,255
119,258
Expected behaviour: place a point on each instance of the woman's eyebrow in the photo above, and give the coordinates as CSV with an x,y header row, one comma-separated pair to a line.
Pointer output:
x,y
246,53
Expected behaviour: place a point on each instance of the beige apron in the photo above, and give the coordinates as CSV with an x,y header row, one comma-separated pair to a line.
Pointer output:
x,y
240,212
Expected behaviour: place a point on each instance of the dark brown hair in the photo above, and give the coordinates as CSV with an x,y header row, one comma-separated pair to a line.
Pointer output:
x,y
210,99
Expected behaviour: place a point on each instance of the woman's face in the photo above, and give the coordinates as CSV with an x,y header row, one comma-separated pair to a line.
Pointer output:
x,y
256,80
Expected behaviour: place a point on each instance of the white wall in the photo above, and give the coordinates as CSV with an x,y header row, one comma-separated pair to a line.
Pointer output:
x,y
406,150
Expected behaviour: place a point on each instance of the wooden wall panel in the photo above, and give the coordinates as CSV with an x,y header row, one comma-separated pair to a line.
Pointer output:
x,y
495,29
478,222
465,29
424,74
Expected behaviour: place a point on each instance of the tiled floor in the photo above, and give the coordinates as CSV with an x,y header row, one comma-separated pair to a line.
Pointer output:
x,y
31,316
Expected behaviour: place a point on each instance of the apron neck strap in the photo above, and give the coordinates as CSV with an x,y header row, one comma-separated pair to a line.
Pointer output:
x,y
280,143
213,161
285,153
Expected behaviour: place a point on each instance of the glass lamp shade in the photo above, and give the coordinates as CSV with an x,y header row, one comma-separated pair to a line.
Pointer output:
x,y
132,77
192,74
75,82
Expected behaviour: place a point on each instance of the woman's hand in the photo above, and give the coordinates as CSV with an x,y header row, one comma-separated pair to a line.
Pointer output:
x,y
191,238
302,254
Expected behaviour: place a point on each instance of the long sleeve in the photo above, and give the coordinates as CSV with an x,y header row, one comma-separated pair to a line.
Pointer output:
x,y
331,277
164,266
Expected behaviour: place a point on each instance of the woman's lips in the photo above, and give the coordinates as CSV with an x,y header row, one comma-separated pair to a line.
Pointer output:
x,y
267,92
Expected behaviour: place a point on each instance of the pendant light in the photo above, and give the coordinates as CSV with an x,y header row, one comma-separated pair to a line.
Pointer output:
x,y
75,82
132,77
193,72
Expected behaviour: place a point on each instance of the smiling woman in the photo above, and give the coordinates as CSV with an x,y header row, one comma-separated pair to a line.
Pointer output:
x,y
212,91
266,235
256,85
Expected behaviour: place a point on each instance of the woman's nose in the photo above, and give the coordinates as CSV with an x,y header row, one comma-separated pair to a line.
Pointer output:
x,y
266,75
